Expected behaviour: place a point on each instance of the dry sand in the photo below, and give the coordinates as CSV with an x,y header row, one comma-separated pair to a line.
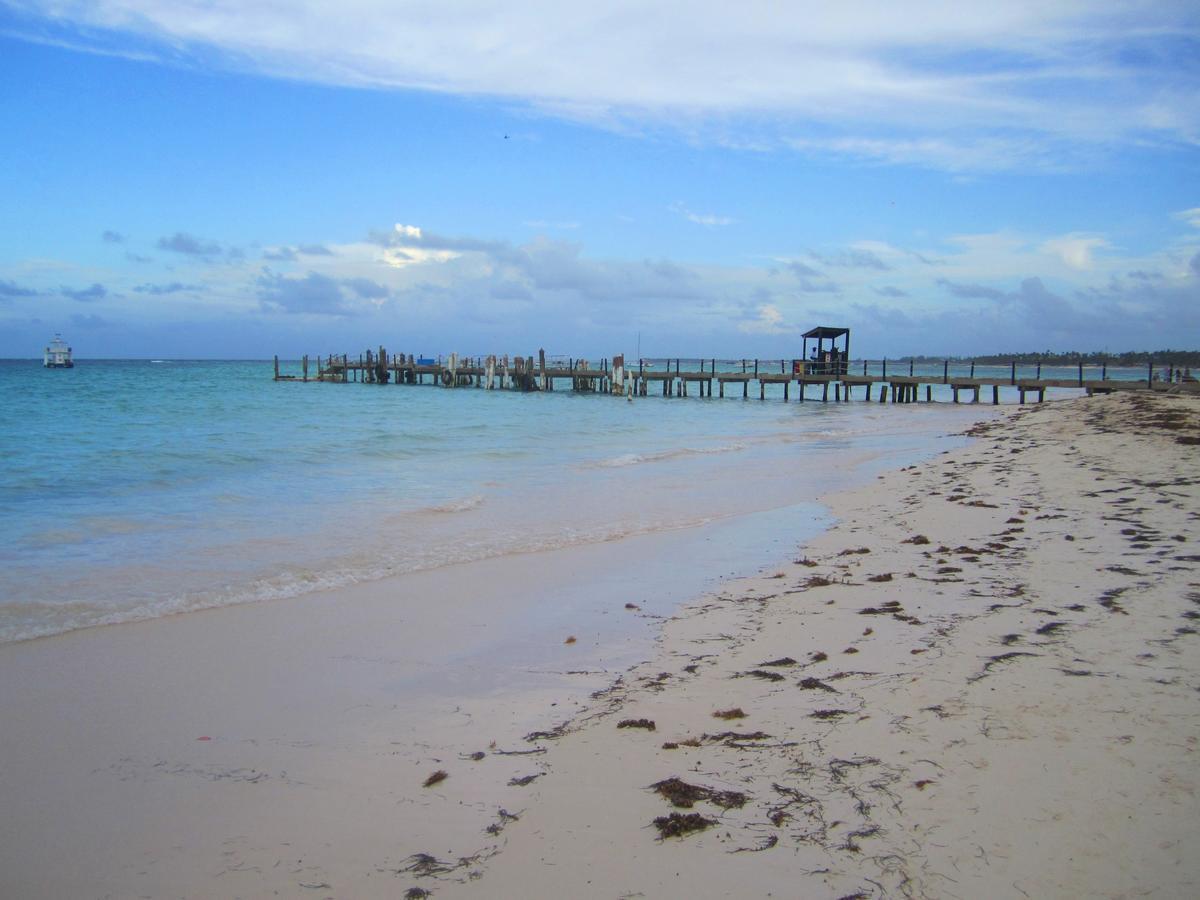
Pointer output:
x,y
981,683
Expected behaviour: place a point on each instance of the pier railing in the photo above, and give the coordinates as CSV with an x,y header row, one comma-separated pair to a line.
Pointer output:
x,y
680,376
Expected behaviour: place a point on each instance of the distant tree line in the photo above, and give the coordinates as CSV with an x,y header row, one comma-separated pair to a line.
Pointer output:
x,y
1074,358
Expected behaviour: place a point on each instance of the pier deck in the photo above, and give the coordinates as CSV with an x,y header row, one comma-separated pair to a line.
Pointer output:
x,y
616,377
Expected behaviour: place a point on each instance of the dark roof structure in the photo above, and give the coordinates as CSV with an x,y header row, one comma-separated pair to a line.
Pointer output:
x,y
824,331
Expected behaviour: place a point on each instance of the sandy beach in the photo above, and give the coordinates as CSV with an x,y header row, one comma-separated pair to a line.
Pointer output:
x,y
981,682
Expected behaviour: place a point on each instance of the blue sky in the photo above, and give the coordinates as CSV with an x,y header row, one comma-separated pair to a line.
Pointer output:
x,y
230,179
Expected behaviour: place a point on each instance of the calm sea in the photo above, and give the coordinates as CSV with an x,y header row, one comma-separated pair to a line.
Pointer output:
x,y
136,489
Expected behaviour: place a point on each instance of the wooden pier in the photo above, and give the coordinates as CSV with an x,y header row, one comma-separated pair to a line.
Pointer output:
x,y
669,377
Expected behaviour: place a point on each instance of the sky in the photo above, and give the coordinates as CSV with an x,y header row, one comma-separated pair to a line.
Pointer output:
x,y
239,178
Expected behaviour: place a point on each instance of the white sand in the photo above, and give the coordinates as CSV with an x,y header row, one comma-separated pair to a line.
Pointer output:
x,y
942,772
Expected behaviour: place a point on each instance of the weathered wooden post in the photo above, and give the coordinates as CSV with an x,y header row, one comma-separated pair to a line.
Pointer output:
x,y
945,371
1081,373
1150,372
277,367
972,368
542,369
1013,376
885,367
1038,376
304,363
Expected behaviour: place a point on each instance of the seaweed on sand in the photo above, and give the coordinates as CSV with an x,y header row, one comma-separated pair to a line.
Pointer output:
x,y
648,724
677,824
782,661
829,713
685,795
815,684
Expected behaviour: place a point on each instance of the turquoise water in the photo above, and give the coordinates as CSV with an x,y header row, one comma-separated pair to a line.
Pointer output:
x,y
135,489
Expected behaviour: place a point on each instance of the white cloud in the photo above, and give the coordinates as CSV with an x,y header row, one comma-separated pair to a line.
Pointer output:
x,y
707,219
971,293
768,320
1075,250
1190,216
961,86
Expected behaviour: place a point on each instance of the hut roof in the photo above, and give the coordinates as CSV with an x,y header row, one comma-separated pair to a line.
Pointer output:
x,y
824,331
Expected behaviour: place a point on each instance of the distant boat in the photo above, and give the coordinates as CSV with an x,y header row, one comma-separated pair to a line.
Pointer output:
x,y
58,355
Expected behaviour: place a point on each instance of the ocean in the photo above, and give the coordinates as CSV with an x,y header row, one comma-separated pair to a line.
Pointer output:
x,y
138,489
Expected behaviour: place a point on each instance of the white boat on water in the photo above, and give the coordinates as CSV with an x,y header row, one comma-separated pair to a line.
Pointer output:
x,y
58,355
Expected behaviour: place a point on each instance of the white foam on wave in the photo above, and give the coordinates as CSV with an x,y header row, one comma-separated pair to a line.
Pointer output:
x,y
635,459
461,504
30,618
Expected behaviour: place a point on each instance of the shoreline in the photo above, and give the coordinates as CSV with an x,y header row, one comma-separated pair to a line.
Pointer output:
x,y
234,716
982,686
226,740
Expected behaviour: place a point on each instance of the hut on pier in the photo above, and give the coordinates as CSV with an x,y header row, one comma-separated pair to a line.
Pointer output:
x,y
827,359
